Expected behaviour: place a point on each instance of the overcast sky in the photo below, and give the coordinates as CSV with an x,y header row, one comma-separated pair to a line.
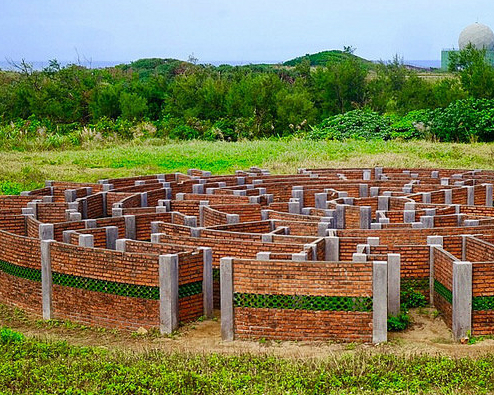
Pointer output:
x,y
232,30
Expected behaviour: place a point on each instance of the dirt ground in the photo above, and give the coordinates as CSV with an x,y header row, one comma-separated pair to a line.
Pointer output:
x,y
428,334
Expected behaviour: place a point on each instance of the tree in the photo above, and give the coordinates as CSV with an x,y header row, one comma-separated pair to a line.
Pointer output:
x,y
476,73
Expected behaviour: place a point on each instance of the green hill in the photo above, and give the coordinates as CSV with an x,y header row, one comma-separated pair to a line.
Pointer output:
x,y
325,57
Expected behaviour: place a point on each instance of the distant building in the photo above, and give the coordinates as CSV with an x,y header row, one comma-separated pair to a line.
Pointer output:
x,y
477,34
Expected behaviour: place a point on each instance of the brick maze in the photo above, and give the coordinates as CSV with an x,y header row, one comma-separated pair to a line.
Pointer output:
x,y
325,254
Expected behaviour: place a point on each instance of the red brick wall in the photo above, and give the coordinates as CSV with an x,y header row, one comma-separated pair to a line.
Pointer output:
x,y
443,272
302,278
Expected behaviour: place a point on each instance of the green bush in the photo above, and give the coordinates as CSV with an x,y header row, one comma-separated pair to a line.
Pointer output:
x,y
465,120
398,323
7,336
356,124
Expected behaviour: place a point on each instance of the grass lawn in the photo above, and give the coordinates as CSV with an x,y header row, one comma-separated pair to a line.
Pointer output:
x,y
28,170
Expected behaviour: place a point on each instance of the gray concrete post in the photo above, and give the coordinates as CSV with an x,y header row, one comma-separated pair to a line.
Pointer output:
x,y
232,218
363,190
435,240
267,238
332,245
207,281
340,216
379,302
434,174
299,256
155,226
90,224
66,234
70,195
155,238
359,257
111,237
86,240
198,189
427,221
190,220
144,199
34,207
394,266
104,202
374,191
120,245
130,227
408,216
470,195
488,195
46,279
168,282
299,194
263,256
366,175
365,217
294,207
448,196
383,203
378,171
226,292
462,299
46,232
320,200
75,216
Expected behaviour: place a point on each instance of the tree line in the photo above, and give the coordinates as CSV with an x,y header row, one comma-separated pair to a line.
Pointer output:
x,y
186,100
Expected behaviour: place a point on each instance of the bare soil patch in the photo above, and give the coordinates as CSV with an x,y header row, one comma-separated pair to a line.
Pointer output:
x,y
428,334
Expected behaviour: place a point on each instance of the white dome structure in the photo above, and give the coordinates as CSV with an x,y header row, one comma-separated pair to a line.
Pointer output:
x,y
477,34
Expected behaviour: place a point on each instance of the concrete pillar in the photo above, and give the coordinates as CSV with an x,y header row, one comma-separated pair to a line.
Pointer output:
x,y
379,302
488,195
408,216
299,256
46,232
448,196
267,238
107,187
359,257
104,202
111,237
462,299
130,227
340,216
427,221
373,241
426,197
144,199
168,282
365,217
34,207
378,171
254,199
70,195
374,191
66,235
232,218
470,195
75,216
196,232
155,226
332,248
383,203
322,227
299,194
435,240
86,240
263,256
198,189
46,279
294,207
366,174
207,281
320,200
120,245
394,266
190,220
434,174
226,292
363,190
90,224
444,181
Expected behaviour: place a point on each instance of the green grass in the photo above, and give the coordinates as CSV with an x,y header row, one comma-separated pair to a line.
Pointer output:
x,y
27,170
30,366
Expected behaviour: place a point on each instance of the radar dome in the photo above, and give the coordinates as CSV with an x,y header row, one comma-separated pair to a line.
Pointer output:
x,y
479,35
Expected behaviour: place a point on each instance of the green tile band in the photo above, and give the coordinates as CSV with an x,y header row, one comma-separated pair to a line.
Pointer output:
x,y
415,283
441,290
303,302
483,303
91,284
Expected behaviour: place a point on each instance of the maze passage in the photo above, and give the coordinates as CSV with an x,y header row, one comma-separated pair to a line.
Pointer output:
x,y
325,254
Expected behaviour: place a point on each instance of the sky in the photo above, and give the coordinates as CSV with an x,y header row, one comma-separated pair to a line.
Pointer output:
x,y
232,30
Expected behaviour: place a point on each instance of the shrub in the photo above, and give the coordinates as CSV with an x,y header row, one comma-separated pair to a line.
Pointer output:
x,y
398,323
7,335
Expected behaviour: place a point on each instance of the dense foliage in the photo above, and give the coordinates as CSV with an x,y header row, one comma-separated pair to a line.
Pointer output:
x,y
341,97
29,366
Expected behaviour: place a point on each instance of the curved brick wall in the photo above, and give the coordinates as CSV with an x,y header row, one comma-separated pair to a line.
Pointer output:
x,y
303,248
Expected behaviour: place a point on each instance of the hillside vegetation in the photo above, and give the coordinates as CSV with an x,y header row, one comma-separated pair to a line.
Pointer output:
x,y
171,99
